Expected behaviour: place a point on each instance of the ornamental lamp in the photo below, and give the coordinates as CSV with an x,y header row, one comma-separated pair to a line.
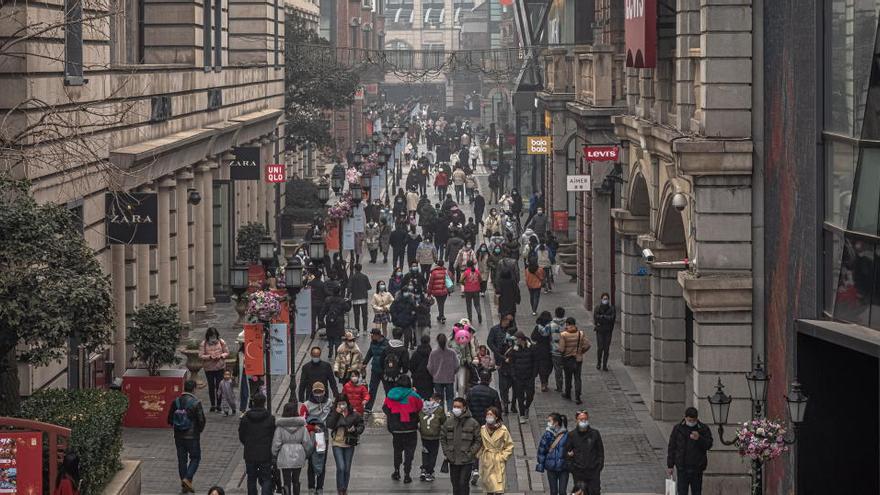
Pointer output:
x,y
381,159
317,250
797,403
365,182
337,178
293,274
267,249
720,404
238,278
365,149
757,381
323,192
356,193
387,151
358,159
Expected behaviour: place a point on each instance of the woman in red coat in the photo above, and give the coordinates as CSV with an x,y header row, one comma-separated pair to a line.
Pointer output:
x,y
68,476
470,279
441,182
357,392
437,288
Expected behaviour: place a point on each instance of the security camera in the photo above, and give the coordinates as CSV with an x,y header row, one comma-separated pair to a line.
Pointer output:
x,y
679,201
194,197
648,255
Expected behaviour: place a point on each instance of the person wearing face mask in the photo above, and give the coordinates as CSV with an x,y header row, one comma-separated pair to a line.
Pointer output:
x,y
371,240
500,340
497,449
453,246
689,442
538,223
378,345
492,224
316,371
464,255
316,284
348,358
470,231
413,241
585,455
470,281
521,358
398,241
358,289
551,453
213,351
315,410
345,426
381,303
431,421
384,238
461,441
573,344
415,278
426,255
604,316
402,407
483,267
395,281
356,391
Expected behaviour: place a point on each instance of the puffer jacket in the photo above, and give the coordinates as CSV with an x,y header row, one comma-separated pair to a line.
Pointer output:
x,y
480,398
524,365
213,355
348,360
292,444
426,253
492,225
357,395
437,282
551,460
471,280
463,256
460,439
375,353
403,312
402,407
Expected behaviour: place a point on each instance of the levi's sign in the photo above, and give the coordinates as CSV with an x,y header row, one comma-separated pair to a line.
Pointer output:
x,y
246,165
275,173
601,153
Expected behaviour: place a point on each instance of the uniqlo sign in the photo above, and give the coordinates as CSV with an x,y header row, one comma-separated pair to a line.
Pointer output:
x,y
601,153
275,173
640,26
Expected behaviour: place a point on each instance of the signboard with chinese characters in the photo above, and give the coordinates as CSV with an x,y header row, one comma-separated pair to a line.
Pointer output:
x,y
560,220
275,173
302,321
21,462
132,218
601,153
640,26
279,350
246,164
253,349
539,145
577,183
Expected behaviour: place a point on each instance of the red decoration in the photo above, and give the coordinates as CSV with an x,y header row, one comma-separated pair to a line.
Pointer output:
x,y
641,33
150,397
256,276
253,349
506,3
21,462
560,220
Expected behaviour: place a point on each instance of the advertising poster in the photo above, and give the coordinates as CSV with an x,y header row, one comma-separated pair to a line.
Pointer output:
x,y
253,349
376,185
256,276
21,462
347,234
302,324
358,220
279,351
560,220
331,238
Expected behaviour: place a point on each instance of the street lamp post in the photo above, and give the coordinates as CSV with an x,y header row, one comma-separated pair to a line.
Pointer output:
x,y
293,281
238,282
267,253
758,379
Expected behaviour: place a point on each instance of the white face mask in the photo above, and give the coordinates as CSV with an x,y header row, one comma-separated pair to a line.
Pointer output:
x,y
605,301
490,420
457,411
550,426
690,423
583,424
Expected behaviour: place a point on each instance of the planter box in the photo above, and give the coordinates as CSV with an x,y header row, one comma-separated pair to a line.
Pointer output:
x,y
127,480
150,397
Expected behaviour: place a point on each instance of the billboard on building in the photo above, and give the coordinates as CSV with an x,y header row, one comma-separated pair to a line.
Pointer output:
x,y
640,26
132,218
246,164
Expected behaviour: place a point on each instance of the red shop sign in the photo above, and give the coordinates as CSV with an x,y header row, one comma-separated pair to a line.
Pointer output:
x,y
560,220
21,462
601,153
641,33
275,173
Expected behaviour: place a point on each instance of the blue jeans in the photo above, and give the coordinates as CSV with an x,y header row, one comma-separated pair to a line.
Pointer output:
x,y
191,449
343,457
558,482
262,472
447,390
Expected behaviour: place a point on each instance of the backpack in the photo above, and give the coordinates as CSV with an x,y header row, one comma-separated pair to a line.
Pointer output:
x,y
391,366
532,257
181,421
332,318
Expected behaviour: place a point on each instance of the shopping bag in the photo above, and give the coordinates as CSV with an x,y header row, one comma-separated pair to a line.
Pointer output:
x,y
444,468
670,486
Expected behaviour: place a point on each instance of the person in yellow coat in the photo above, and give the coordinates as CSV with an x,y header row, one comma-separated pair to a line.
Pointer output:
x,y
497,449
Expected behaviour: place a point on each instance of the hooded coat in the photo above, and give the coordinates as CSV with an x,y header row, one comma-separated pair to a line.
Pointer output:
x,y
402,407
508,294
497,449
460,439
292,443
256,431
418,367
403,311
348,360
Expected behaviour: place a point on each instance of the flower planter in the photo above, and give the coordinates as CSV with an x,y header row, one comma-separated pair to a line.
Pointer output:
x,y
194,364
150,397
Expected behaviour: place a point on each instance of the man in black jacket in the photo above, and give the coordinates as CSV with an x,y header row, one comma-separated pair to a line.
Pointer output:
x,y
522,359
313,371
499,341
395,359
318,295
187,417
255,432
333,314
603,319
585,455
481,397
398,245
358,290
688,444
403,312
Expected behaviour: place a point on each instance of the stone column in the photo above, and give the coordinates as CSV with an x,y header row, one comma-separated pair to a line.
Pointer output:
x,y
184,179
253,201
200,247
668,359
602,250
165,187
208,227
117,280
635,305
142,255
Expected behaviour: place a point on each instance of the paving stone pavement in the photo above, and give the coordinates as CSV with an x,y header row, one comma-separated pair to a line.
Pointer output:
x,y
633,447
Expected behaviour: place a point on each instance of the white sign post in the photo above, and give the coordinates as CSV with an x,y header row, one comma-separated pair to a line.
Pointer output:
x,y
577,183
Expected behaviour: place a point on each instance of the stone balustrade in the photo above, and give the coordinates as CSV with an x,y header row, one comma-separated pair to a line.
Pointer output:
x,y
599,76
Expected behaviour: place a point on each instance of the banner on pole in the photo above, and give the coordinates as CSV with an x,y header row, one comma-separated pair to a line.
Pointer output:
x,y
359,220
279,351
253,349
347,234
376,185
331,238
302,324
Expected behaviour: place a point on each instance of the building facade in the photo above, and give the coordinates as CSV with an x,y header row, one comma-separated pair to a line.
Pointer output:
x,y
302,162
148,97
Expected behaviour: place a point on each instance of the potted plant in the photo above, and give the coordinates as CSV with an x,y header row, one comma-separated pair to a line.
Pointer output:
x,y
151,389
193,360
248,241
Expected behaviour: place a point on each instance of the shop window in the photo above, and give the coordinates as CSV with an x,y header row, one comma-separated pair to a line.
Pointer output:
x,y
73,43
839,175
866,199
832,250
855,284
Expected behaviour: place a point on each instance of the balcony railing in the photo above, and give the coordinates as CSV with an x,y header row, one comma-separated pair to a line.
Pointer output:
x,y
600,76
558,70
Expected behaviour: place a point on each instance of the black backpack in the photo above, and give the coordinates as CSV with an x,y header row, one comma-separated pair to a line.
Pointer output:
x,y
391,366
333,318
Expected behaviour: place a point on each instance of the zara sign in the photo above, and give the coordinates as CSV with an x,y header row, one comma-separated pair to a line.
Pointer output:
x,y
246,164
132,218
